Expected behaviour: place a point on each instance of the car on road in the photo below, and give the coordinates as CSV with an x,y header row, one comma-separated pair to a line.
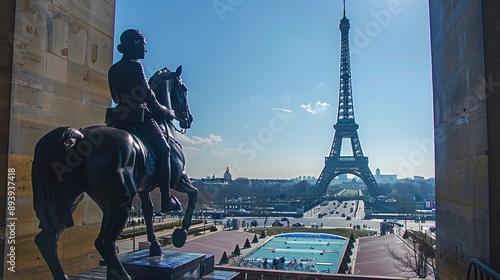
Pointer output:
x,y
278,224
254,223
314,225
298,225
284,219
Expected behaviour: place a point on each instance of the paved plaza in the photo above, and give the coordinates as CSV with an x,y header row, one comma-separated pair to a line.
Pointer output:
x,y
370,256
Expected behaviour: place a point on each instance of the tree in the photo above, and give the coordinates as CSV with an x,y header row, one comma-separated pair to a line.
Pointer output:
x,y
418,260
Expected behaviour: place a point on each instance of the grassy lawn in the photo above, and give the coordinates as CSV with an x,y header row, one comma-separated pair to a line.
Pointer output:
x,y
345,232
141,229
155,226
350,193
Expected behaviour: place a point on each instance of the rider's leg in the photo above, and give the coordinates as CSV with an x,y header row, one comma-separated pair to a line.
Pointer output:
x,y
162,152
168,202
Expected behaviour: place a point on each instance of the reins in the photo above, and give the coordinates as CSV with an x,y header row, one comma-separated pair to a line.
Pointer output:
x,y
181,131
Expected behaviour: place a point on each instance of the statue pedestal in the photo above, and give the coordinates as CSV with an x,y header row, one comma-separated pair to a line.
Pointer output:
x,y
172,265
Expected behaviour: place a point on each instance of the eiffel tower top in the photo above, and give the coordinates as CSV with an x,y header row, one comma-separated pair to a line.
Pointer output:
x,y
344,19
346,109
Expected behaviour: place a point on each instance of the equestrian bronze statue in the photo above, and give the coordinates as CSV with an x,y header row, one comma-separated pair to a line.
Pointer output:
x,y
113,163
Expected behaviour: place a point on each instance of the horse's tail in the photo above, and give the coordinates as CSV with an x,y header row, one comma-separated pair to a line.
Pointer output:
x,y
47,177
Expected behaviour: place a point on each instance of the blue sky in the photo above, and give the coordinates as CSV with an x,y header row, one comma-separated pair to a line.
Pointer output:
x,y
263,78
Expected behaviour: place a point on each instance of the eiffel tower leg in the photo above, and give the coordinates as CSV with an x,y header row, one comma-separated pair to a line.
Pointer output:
x,y
367,177
334,167
326,176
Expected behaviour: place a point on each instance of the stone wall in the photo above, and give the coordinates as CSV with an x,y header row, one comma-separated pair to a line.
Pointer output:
x,y
60,53
466,114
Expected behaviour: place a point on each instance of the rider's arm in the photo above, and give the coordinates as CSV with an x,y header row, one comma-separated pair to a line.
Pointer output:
x,y
112,89
157,110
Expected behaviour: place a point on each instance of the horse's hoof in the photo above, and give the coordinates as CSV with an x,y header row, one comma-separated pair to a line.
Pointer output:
x,y
179,237
155,249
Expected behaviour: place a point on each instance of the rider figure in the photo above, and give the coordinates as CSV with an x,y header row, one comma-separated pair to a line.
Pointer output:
x,y
129,88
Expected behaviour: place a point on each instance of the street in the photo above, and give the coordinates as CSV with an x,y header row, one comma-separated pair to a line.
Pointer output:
x,y
332,217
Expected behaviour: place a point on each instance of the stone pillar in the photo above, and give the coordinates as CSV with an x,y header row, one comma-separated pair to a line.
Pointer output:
x,y
465,38
55,58
6,30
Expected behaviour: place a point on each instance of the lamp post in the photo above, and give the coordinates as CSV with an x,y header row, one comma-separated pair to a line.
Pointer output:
x,y
133,236
133,233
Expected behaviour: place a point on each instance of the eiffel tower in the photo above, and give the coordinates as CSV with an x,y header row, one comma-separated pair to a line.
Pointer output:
x,y
346,127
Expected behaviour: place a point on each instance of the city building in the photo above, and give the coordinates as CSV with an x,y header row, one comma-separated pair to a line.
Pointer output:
x,y
227,176
385,178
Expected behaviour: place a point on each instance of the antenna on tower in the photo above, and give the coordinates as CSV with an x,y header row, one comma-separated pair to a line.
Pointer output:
x,y
344,8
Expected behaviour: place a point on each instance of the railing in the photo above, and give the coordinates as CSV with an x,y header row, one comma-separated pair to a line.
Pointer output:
x,y
479,270
269,274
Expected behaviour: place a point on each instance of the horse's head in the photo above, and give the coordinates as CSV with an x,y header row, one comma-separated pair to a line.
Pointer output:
x,y
179,100
172,93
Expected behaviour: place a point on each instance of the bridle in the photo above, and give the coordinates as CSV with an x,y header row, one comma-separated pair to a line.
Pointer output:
x,y
179,89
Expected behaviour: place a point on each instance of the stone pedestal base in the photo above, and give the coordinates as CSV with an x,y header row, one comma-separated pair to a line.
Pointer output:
x,y
170,266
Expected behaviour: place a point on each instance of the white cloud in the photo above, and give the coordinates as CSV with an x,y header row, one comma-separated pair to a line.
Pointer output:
x,y
318,108
190,150
182,138
255,96
215,138
282,110
320,84
217,153
199,141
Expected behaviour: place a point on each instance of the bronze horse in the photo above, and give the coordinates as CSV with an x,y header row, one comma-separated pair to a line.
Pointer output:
x,y
108,164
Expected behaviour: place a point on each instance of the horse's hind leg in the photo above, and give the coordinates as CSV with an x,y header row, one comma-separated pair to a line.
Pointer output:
x,y
147,209
46,241
113,222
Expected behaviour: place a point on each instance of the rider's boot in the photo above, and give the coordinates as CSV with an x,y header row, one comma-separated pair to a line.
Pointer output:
x,y
168,201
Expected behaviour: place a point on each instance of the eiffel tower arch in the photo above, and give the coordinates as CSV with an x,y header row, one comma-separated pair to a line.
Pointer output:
x,y
346,127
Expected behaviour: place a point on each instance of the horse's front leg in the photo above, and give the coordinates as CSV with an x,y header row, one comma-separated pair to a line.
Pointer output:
x,y
147,210
185,186
113,222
